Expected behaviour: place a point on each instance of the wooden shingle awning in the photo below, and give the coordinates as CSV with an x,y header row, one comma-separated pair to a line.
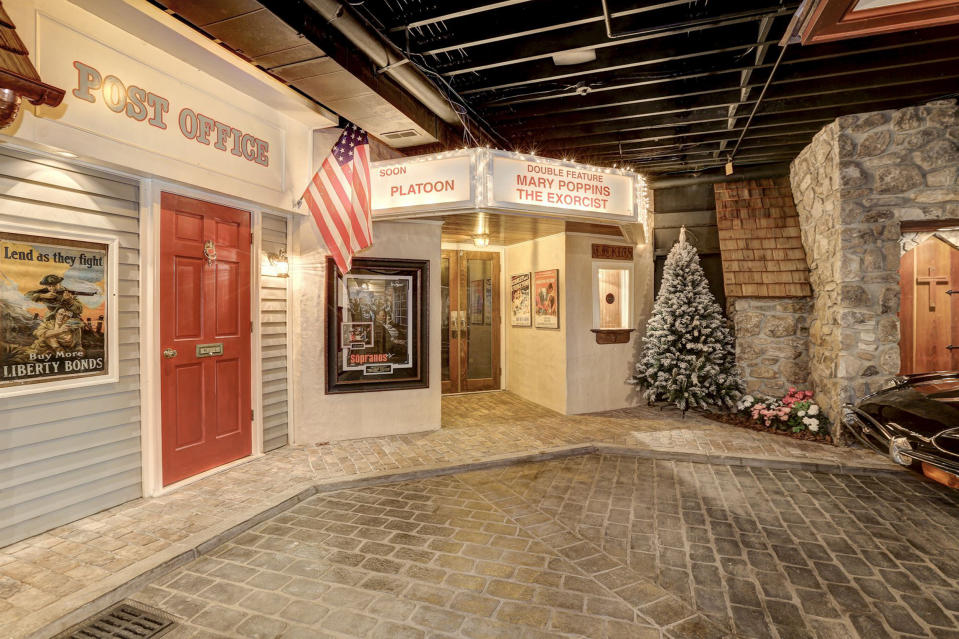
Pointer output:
x,y
17,73
759,239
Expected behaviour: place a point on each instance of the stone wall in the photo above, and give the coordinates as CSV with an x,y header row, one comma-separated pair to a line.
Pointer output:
x,y
859,177
772,342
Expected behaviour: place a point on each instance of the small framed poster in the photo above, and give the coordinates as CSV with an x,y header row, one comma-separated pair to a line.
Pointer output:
x,y
520,300
357,335
546,297
377,325
57,312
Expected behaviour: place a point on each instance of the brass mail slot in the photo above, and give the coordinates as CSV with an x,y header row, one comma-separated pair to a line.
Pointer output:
x,y
209,350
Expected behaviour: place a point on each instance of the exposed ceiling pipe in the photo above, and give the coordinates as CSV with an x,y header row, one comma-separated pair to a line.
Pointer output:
x,y
747,173
762,94
382,55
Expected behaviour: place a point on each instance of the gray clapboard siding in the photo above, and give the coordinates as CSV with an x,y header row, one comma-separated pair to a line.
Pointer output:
x,y
273,314
71,453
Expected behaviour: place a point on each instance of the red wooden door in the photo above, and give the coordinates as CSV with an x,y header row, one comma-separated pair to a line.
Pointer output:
x,y
204,301
929,315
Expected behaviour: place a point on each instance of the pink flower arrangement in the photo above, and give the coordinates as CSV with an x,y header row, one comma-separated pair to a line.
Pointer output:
x,y
771,412
795,396
796,411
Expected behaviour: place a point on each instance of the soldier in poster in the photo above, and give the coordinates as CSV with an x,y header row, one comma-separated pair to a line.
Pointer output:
x,y
51,293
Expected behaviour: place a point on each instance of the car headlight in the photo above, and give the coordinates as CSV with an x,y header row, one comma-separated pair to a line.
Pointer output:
x,y
898,449
849,418
893,382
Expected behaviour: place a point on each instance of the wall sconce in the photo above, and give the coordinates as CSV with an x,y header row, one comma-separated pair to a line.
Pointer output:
x,y
279,264
481,240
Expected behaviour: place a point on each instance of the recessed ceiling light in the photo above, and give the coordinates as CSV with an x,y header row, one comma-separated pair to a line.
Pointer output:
x,y
567,58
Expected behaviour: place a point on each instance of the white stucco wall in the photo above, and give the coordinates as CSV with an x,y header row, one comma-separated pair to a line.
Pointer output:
x,y
596,374
319,417
536,357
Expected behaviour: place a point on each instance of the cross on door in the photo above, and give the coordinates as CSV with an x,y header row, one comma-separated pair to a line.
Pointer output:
x,y
932,279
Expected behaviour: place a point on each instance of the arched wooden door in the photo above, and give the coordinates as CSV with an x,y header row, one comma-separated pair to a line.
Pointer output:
x,y
929,311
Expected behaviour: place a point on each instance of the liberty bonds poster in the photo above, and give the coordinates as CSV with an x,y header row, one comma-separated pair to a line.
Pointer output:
x,y
53,309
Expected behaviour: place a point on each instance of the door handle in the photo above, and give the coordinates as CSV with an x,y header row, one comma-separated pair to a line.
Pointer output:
x,y
169,353
456,322
951,347
952,292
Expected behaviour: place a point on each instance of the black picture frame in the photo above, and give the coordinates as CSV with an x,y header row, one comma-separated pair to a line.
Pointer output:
x,y
397,303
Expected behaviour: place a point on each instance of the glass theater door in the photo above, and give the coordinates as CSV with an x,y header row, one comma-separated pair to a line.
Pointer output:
x,y
471,321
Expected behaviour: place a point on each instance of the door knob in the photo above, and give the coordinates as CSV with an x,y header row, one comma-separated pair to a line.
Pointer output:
x,y
169,353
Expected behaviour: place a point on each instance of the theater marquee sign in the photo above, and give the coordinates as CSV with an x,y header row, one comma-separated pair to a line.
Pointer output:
x,y
427,183
525,185
501,181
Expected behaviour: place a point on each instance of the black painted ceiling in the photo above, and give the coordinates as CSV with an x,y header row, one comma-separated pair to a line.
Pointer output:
x,y
670,91
673,88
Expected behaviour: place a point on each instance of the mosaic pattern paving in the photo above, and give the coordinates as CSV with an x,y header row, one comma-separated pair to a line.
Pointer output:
x,y
768,552
425,558
592,546
86,558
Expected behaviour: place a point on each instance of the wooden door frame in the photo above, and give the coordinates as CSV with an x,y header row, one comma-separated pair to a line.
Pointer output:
x,y
907,329
496,381
150,377
459,254
454,363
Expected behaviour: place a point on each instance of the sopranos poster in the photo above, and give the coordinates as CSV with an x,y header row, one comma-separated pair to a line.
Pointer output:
x,y
520,300
546,294
383,303
377,325
53,309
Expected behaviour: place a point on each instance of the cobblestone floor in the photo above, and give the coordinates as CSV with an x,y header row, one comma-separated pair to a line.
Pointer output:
x,y
768,552
45,576
591,546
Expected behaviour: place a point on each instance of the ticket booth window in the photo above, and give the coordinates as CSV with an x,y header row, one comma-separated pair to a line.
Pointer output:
x,y
612,302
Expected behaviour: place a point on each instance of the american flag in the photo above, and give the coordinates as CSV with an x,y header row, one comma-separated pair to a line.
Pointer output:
x,y
338,196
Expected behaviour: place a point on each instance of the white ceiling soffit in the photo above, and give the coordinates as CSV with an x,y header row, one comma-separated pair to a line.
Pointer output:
x,y
268,42
152,25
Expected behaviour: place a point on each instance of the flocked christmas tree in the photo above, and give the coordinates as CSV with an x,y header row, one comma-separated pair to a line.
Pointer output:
x,y
689,356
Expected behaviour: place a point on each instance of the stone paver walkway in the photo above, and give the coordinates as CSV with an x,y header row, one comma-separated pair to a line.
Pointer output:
x,y
589,546
53,579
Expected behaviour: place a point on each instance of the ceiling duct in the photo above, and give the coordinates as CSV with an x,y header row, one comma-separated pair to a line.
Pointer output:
x,y
396,135
378,50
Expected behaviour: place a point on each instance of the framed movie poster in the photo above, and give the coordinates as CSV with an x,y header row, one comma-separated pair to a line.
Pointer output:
x,y
57,313
377,325
520,300
546,296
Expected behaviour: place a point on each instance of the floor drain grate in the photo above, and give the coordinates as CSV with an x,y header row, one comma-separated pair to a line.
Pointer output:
x,y
126,620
